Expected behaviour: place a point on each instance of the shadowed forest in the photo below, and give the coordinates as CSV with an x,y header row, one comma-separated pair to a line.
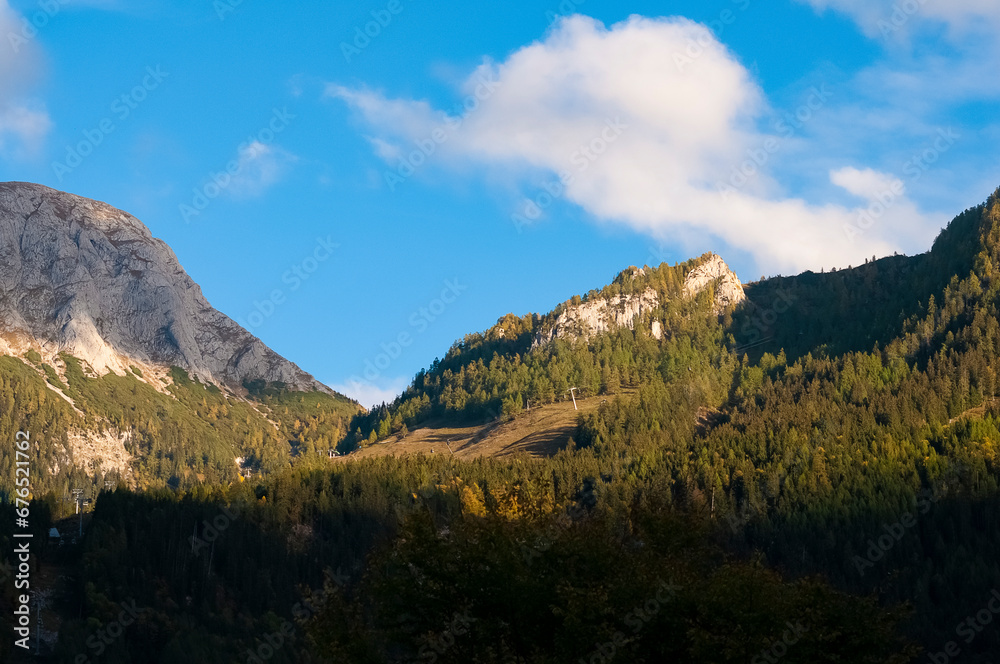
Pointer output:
x,y
811,477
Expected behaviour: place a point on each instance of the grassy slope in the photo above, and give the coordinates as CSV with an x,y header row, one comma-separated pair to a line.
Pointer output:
x,y
542,431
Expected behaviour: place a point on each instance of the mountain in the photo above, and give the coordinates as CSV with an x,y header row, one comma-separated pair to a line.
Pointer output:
x,y
117,364
82,277
858,307
602,314
811,474
593,343
841,425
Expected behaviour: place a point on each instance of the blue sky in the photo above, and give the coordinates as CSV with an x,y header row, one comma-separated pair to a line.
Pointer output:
x,y
339,192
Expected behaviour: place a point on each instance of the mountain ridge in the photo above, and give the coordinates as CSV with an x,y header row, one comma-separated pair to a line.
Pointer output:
x,y
83,277
598,314
530,359
519,361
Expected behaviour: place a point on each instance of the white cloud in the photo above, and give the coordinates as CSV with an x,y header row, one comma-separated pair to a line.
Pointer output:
x,y
885,201
940,61
895,18
385,150
27,126
19,54
671,112
24,122
370,395
404,116
867,184
258,167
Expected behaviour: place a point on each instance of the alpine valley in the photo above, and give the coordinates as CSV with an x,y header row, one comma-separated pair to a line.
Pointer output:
x,y
674,467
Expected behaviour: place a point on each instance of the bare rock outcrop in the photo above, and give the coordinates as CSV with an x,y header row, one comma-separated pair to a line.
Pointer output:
x,y
80,276
728,289
587,319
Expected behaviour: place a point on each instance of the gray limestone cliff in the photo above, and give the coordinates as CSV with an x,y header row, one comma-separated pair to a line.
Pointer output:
x,y
80,276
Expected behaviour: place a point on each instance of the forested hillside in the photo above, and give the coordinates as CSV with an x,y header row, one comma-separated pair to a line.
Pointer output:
x,y
856,308
811,477
498,372
189,434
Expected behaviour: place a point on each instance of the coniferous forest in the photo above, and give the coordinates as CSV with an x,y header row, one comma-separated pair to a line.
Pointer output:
x,y
810,477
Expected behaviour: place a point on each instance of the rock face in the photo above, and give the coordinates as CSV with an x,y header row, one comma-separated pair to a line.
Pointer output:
x,y
728,289
80,276
587,319
596,316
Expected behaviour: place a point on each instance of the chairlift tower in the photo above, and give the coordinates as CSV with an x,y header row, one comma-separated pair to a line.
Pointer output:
x,y
572,393
77,495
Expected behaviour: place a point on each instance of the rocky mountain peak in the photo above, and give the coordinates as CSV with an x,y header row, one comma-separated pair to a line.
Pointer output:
x,y
80,276
601,314
728,288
